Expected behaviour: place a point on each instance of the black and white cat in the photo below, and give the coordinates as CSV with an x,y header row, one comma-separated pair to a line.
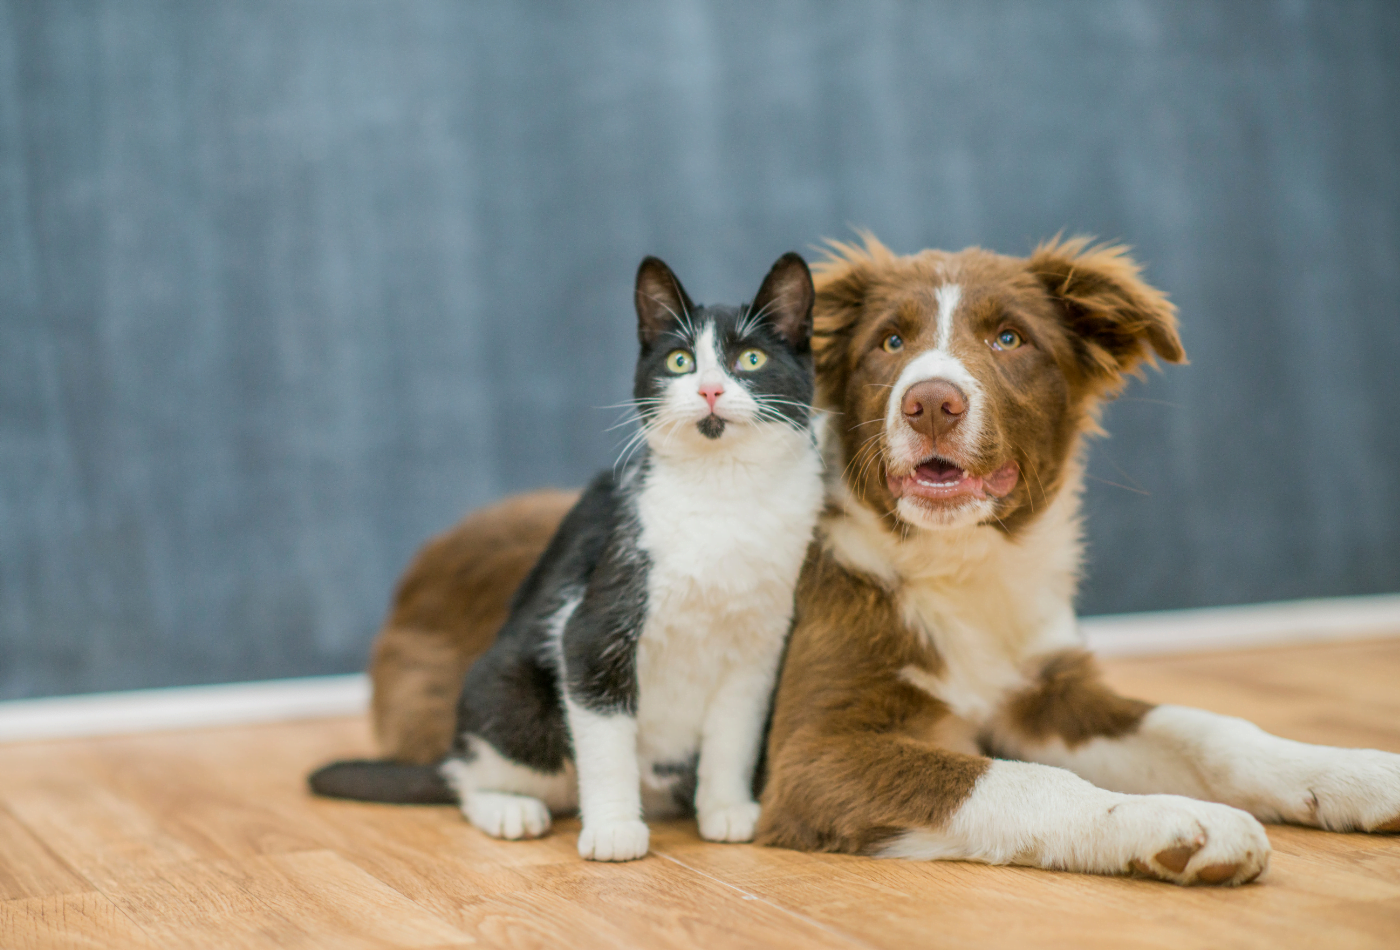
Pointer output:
x,y
636,669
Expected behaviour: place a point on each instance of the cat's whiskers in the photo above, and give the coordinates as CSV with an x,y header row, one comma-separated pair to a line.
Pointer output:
x,y
635,442
683,318
750,321
635,410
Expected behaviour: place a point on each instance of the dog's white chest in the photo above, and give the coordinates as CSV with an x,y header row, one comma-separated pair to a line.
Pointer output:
x,y
988,605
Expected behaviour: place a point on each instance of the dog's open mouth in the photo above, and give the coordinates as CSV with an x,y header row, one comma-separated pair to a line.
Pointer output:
x,y
938,479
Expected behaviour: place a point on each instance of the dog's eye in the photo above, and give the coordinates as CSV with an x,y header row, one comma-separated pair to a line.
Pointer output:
x,y
680,361
750,360
893,343
1007,340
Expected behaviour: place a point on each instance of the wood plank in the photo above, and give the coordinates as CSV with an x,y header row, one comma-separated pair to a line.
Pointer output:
x,y
646,903
102,836
28,868
86,921
311,899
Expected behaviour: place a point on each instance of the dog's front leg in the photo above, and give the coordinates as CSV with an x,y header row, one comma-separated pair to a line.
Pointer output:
x,y
1220,758
889,795
1073,721
1023,813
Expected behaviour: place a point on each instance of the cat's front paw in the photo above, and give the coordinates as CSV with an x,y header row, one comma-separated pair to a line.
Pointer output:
x,y
729,822
613,840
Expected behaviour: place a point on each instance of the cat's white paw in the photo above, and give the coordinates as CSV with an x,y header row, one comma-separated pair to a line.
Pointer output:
x,y
1189,842
503,815
730,822
613,840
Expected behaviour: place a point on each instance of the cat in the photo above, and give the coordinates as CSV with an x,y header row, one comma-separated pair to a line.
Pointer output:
x,y
635,671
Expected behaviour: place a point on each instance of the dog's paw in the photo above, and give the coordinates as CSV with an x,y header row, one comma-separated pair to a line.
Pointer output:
x,y
613,840
1189,842
729,822
1353,790
503,815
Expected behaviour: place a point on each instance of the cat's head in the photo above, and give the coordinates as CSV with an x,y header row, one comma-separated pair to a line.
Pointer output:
x,y
710,373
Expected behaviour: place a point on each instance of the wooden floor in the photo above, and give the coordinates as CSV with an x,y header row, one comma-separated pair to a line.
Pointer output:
x,y
208,839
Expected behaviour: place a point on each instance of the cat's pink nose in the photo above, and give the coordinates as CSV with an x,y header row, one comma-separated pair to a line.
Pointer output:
x,y
711,392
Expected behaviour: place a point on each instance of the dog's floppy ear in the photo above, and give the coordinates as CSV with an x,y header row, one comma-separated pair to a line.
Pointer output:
x,y
1118,320
785,300
843,280
660,300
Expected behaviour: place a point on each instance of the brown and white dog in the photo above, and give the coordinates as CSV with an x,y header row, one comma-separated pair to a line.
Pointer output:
x,y
935,626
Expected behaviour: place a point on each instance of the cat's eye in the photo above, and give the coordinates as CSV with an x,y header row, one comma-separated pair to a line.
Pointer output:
x,y
680,361
893,343
1007,340
750,360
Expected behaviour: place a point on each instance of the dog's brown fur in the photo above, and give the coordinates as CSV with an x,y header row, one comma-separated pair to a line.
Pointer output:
x,y
851,742
1070,702
448,607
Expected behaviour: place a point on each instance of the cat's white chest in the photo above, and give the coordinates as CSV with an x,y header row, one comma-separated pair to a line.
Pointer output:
x,y
726,543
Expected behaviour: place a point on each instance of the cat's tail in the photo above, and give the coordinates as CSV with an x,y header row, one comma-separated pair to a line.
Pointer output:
x,y
381,780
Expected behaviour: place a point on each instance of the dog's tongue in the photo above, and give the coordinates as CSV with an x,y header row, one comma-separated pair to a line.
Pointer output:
x,y
939,472
950,480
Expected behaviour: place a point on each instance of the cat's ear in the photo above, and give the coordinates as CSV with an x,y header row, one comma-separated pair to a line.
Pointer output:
x,y
784,302
661,300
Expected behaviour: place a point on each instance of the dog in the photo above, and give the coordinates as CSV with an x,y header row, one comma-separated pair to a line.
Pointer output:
x,y
936,700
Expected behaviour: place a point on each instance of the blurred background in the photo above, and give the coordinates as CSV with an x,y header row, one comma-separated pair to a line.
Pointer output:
x,y
287,287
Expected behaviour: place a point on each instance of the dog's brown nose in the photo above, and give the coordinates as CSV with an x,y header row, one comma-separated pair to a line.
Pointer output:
x,y
934,407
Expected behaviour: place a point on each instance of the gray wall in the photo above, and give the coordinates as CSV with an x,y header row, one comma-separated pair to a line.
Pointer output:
x,y
285,287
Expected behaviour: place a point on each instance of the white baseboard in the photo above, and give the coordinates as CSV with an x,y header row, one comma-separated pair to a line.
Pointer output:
x,y
183,707
1245,626
192,707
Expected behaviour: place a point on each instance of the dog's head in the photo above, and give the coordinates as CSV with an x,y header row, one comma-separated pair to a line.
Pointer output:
x,y
965,381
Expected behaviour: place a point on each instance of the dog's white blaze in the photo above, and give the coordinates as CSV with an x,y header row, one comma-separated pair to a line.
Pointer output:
x,y
948,297
1021,813
904,444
